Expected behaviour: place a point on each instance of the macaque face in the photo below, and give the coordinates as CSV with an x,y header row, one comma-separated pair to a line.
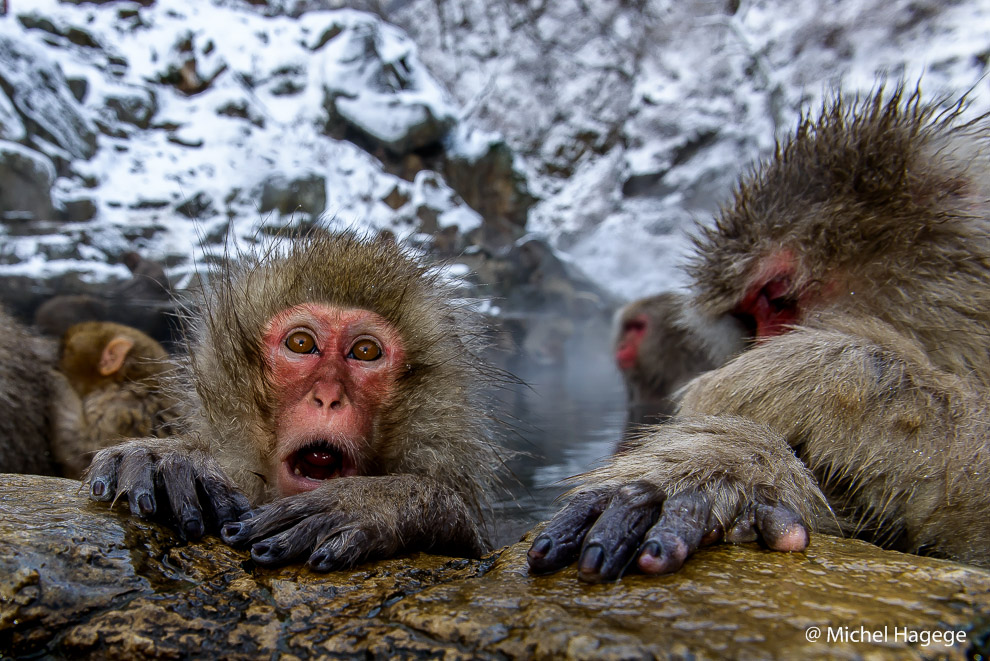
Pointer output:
x,y
332,371
630,336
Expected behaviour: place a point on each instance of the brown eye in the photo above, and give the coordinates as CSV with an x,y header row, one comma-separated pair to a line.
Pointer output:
x,y
366,350
301,342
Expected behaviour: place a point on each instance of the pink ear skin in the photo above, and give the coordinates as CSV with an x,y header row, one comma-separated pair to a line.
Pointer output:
x,y
114,355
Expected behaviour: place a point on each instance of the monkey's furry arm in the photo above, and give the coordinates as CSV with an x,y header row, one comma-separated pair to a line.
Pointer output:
x,y
174,478
848,403
351,519
702,478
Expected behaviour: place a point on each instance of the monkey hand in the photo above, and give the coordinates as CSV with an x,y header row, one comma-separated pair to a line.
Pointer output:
x,y
348,520
165,479
688,483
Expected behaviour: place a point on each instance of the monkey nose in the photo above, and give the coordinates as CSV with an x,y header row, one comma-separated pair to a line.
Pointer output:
x,y
327,396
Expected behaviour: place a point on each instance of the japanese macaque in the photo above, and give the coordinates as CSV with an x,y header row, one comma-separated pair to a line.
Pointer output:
x,y
148,280
28,400
335,384
120,377
657,353
858,258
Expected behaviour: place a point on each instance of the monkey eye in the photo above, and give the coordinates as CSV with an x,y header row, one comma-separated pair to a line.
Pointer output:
x,y
637,325
301,342
365,350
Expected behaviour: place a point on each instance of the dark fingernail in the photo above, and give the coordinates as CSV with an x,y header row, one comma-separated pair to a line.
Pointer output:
x,y
540,547
247,515
146,504
651,549
260,549
193,528
230,530
319,561
591,560
98,488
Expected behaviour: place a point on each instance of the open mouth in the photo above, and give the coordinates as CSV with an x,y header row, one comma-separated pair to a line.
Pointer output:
x,y
319,461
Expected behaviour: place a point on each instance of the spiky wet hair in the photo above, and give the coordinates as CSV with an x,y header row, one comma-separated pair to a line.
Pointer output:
x,y
878,176
436,423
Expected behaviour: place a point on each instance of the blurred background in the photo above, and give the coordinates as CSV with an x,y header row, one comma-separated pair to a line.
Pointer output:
x,y
551,154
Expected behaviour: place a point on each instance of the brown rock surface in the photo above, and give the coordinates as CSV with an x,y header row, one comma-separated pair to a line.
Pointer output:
x,y
80,581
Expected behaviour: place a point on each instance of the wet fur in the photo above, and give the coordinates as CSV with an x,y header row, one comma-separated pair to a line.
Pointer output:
x,y
880,393
435,429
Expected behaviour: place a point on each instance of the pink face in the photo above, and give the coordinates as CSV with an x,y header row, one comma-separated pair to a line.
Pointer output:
x,y
627,353
332,370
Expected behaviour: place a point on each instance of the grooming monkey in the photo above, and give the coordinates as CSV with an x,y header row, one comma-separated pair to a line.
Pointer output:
x,y
120,377
858,258
335,383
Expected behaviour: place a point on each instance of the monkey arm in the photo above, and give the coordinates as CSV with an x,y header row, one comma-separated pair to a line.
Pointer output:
x,y
352,519
689,482
898,443
176,479
848,403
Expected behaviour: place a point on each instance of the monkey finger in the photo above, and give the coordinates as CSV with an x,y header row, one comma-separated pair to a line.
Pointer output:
x,y
223,501
612,542
292,543
137,478
558,544
177,478
781,528
685,522
102,476
343,550
251,513
743,528
266,521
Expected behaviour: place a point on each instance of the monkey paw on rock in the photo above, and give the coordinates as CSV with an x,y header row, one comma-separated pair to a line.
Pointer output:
x,y
345,521
694,482
165,480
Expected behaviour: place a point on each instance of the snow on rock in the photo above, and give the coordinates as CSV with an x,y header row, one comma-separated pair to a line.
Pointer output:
x,y
605,128
39,90
633,121
27,178
374,81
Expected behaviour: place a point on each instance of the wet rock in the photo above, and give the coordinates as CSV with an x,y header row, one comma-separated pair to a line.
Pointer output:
x,y
41,95
26,179
78,580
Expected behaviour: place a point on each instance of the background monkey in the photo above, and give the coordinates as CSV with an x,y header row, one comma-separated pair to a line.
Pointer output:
x,y
859,259
334,381
29,400
120,377
657,353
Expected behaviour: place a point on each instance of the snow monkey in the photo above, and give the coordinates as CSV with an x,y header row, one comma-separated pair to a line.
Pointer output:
x,y
120,377
657,352
29,400
858,260
334,383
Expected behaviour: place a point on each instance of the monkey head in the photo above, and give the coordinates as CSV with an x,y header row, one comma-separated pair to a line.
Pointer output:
x,y
339,352
841,216
96,353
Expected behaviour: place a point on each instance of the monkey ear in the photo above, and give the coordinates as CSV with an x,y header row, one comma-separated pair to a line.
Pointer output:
x,y
114,355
